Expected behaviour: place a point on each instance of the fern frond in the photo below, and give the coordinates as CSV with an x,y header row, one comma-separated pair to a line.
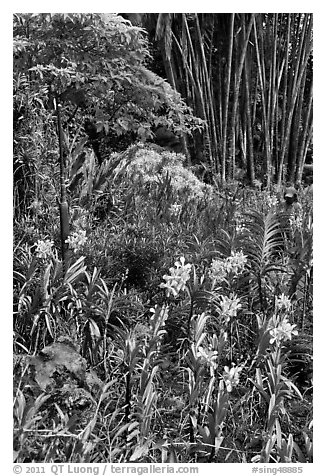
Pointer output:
x,y
263,240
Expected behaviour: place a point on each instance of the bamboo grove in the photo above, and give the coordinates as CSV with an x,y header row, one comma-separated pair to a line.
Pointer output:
x,y
249,76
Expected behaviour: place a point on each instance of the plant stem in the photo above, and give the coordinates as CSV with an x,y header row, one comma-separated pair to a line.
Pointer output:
x,y
63,204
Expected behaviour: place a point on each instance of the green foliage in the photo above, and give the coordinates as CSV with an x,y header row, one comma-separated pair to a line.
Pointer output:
x,y
167,171
180,330
95,62
197,365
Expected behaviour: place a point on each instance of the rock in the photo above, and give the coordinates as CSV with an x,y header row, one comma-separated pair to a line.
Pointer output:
x,y
55,363
56,366
61,372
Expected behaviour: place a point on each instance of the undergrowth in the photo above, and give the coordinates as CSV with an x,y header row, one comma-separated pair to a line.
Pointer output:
x,y
181,330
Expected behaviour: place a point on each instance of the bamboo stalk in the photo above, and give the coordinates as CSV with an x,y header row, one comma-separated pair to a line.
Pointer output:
x,y
273,94
248,129
260,73
238,75
227,95
169,66
299,72
306,138
296,136
209,96
199,84
276,130
194,76
262,79
285,88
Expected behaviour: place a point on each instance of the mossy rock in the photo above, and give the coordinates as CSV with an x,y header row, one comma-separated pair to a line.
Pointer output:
x,y
60,372
60,363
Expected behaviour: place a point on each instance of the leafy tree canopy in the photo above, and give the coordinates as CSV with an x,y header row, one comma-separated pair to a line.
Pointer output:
x,y
95,64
